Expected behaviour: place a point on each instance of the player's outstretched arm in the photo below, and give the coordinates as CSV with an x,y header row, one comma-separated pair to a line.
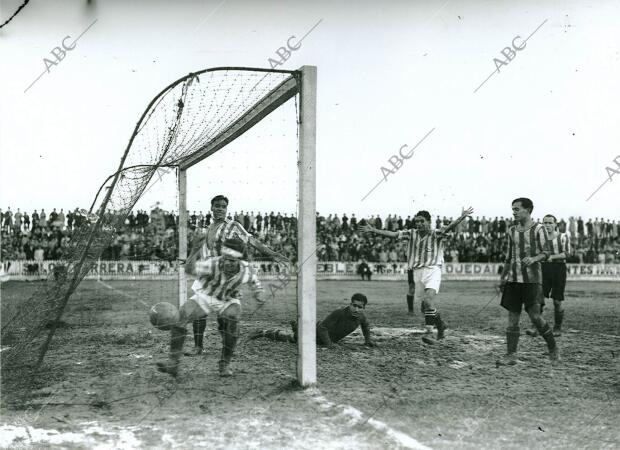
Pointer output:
x,y
367,228
194,253
190,262
323,335
279,258
366,332
465,213
205,268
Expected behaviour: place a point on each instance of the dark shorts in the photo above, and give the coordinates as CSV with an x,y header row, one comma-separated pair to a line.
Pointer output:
x,y
410,276
554,280
518,294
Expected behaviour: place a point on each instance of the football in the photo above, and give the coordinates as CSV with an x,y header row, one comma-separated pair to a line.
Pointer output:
x,y
163,315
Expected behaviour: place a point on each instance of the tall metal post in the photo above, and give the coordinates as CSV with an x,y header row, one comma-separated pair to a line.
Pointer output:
x,y
182,187
306,231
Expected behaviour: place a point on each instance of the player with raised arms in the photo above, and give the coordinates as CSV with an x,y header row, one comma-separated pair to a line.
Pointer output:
x,y
521,279
216,290
425,258
210,245
554,273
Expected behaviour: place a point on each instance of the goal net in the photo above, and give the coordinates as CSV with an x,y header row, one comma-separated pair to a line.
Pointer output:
x,y
188,121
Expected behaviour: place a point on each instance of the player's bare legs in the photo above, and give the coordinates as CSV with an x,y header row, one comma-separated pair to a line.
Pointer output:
x,y
228,325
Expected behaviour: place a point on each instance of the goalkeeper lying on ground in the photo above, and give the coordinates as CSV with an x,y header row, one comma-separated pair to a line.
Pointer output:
x,y
339,324
215,290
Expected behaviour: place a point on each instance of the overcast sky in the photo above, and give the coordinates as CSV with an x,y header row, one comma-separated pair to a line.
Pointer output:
x,y
545,126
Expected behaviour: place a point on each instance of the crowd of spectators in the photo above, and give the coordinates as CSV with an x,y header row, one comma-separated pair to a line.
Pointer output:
x,y
154,236
475,239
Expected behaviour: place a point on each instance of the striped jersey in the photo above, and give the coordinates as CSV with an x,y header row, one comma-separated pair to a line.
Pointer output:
x,y
560,244
523,243
217,233
214,282
423,251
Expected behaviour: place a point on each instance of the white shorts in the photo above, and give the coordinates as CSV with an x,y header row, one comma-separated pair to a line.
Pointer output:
x,y
426,278
208,303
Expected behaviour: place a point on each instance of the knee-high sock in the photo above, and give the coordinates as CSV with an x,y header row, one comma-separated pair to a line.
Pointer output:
x,y
199,326
177,339
221,324
559,318
547,334
410,302
230,334
512,339
430,317
438,320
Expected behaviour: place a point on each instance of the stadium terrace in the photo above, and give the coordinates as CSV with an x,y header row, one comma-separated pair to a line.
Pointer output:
x,y
39,236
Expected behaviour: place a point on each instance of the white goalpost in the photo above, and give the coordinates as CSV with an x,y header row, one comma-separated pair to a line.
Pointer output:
x,y
187,121
306,254
303,83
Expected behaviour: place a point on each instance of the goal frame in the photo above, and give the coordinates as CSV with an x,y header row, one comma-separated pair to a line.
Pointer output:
x,y
302,82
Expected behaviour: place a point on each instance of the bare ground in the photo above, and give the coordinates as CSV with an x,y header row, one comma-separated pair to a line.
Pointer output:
x,y
98,387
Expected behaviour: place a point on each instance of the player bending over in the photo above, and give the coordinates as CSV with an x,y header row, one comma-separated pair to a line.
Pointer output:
x,y
521,280
424,259
337,325
215,290
554,273
210,244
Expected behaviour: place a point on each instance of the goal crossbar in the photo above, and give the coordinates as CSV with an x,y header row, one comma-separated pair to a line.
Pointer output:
x,y
270,102
183,124
301,82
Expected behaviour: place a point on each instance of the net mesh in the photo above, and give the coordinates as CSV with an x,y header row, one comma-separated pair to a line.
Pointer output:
x,y
180,122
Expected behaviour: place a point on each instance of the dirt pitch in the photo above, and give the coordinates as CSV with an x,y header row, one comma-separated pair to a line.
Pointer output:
x,y
99,389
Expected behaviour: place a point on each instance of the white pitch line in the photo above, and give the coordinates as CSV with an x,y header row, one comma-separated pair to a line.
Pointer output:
x,y
122,293
356,416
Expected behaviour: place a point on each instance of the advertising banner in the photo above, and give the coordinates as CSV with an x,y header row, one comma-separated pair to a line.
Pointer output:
x,y
268,270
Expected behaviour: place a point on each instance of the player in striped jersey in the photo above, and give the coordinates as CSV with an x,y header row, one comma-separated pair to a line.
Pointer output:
x,y
210,244
220,278
554,272
521,279
425,258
